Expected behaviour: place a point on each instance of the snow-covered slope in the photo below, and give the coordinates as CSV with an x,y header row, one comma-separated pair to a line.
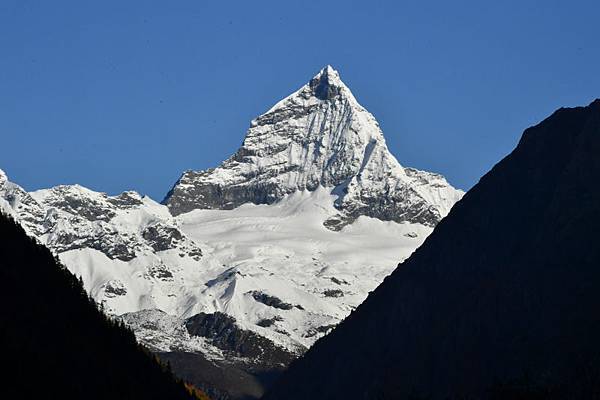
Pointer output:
x,y
275,268
280,272
274,247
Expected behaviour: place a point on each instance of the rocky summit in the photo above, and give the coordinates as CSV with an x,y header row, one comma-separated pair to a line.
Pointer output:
x,y
318,136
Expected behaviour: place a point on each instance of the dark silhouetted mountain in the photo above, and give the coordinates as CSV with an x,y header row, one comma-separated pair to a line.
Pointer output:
x,y
56,344
501,301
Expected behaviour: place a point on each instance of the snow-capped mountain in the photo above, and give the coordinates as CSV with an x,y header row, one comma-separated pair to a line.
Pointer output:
x,y
256,259
318,136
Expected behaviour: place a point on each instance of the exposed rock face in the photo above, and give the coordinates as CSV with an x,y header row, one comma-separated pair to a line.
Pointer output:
x,y
80,201
23,207
333,293
223,332
502,299
66,232
114,288
268,322
272,301
162,237
318,136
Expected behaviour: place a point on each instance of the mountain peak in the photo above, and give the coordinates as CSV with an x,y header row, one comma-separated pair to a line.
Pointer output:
x,y
326,84
319,136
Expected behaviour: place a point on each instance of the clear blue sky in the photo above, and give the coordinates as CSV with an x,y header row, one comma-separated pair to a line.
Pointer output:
x,y
119,95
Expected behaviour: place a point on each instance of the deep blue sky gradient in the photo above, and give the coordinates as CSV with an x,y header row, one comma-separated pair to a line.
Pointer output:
x,y
119,95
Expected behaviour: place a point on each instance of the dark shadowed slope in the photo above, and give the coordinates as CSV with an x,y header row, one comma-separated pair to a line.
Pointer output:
x,y
503,297
56,344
